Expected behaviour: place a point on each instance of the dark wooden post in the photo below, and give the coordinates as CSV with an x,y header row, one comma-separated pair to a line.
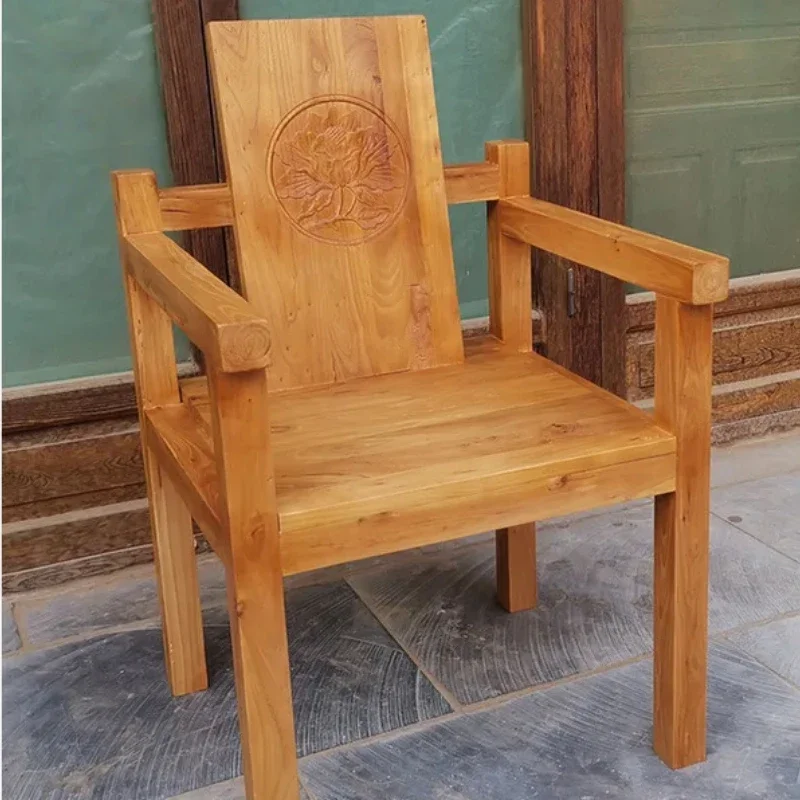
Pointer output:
x,y
191,134
573,70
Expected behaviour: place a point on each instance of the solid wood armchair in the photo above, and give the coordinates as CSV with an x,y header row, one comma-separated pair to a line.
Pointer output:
x,y
342,416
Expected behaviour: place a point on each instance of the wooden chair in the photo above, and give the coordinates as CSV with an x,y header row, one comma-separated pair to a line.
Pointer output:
x,y
342,415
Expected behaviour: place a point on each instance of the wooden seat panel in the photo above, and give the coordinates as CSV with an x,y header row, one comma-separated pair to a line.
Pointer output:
x,y
371,453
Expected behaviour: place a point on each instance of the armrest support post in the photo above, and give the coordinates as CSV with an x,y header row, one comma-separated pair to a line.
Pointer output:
x,y
510,299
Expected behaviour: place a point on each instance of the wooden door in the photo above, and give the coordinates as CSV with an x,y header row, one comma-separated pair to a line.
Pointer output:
x,y
713,126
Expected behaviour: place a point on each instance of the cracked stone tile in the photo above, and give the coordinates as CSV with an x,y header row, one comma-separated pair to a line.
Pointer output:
x,y
83,610
587,739
777,645
96,716
11,640
595,603
768,509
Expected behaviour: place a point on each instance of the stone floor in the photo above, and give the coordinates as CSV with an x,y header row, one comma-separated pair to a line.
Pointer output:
x,y
410,682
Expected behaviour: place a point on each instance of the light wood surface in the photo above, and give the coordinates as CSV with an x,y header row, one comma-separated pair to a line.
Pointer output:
x,y
248,515
155,373
683,405
219,321
341,418
210,205
516,567
417,458
195,207
509,259
472,183
674,270
343,239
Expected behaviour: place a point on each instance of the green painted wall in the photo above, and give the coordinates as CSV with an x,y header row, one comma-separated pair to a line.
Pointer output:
x,y
713,126
81,96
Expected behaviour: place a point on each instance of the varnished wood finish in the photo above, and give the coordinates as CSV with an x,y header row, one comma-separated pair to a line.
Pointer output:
x,y
509,259
472,183
210,205
212,315
136,201
516,567
248,513
670,269
361,428
353,271
683,405
192,207
391,474
510,307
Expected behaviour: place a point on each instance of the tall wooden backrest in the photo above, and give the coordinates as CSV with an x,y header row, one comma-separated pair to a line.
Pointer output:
x,y
332,152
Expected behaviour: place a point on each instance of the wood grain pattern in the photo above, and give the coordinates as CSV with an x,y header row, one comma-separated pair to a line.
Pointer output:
x,y
683,405
673,270
249,518
401,480
515,550
210,205
155,372
224,325
471,183
510,301
367,90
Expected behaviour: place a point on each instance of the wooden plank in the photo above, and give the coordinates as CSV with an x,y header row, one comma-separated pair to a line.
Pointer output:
x,y
668,268
210,205
222,323
516,567
68,402
471,183
155,374
386,300
683,405
449,516
73,535
180,47
193,207
741,352
510,300
189,460
50,466
248,513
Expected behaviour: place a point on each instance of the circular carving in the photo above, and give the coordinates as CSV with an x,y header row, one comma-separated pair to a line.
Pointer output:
x,y
339,169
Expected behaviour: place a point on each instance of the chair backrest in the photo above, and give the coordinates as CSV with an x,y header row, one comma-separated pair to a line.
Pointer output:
x,y
333,157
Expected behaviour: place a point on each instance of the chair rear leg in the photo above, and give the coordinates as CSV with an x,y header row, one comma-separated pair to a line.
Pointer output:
x,y
178,587
516,567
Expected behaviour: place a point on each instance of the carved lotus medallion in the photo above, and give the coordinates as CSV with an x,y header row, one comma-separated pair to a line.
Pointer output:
x,y
339,170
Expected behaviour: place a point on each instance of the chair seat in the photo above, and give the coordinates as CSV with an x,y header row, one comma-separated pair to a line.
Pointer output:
x,y
380,464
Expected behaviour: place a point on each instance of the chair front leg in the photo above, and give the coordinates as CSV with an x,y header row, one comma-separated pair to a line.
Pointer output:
x,y
255,584
683,405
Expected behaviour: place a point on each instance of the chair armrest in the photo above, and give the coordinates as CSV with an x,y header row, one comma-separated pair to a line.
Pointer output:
x,y
674,270
220,322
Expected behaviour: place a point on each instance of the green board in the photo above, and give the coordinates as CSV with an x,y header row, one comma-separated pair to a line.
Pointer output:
x,y
713,126
82,97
